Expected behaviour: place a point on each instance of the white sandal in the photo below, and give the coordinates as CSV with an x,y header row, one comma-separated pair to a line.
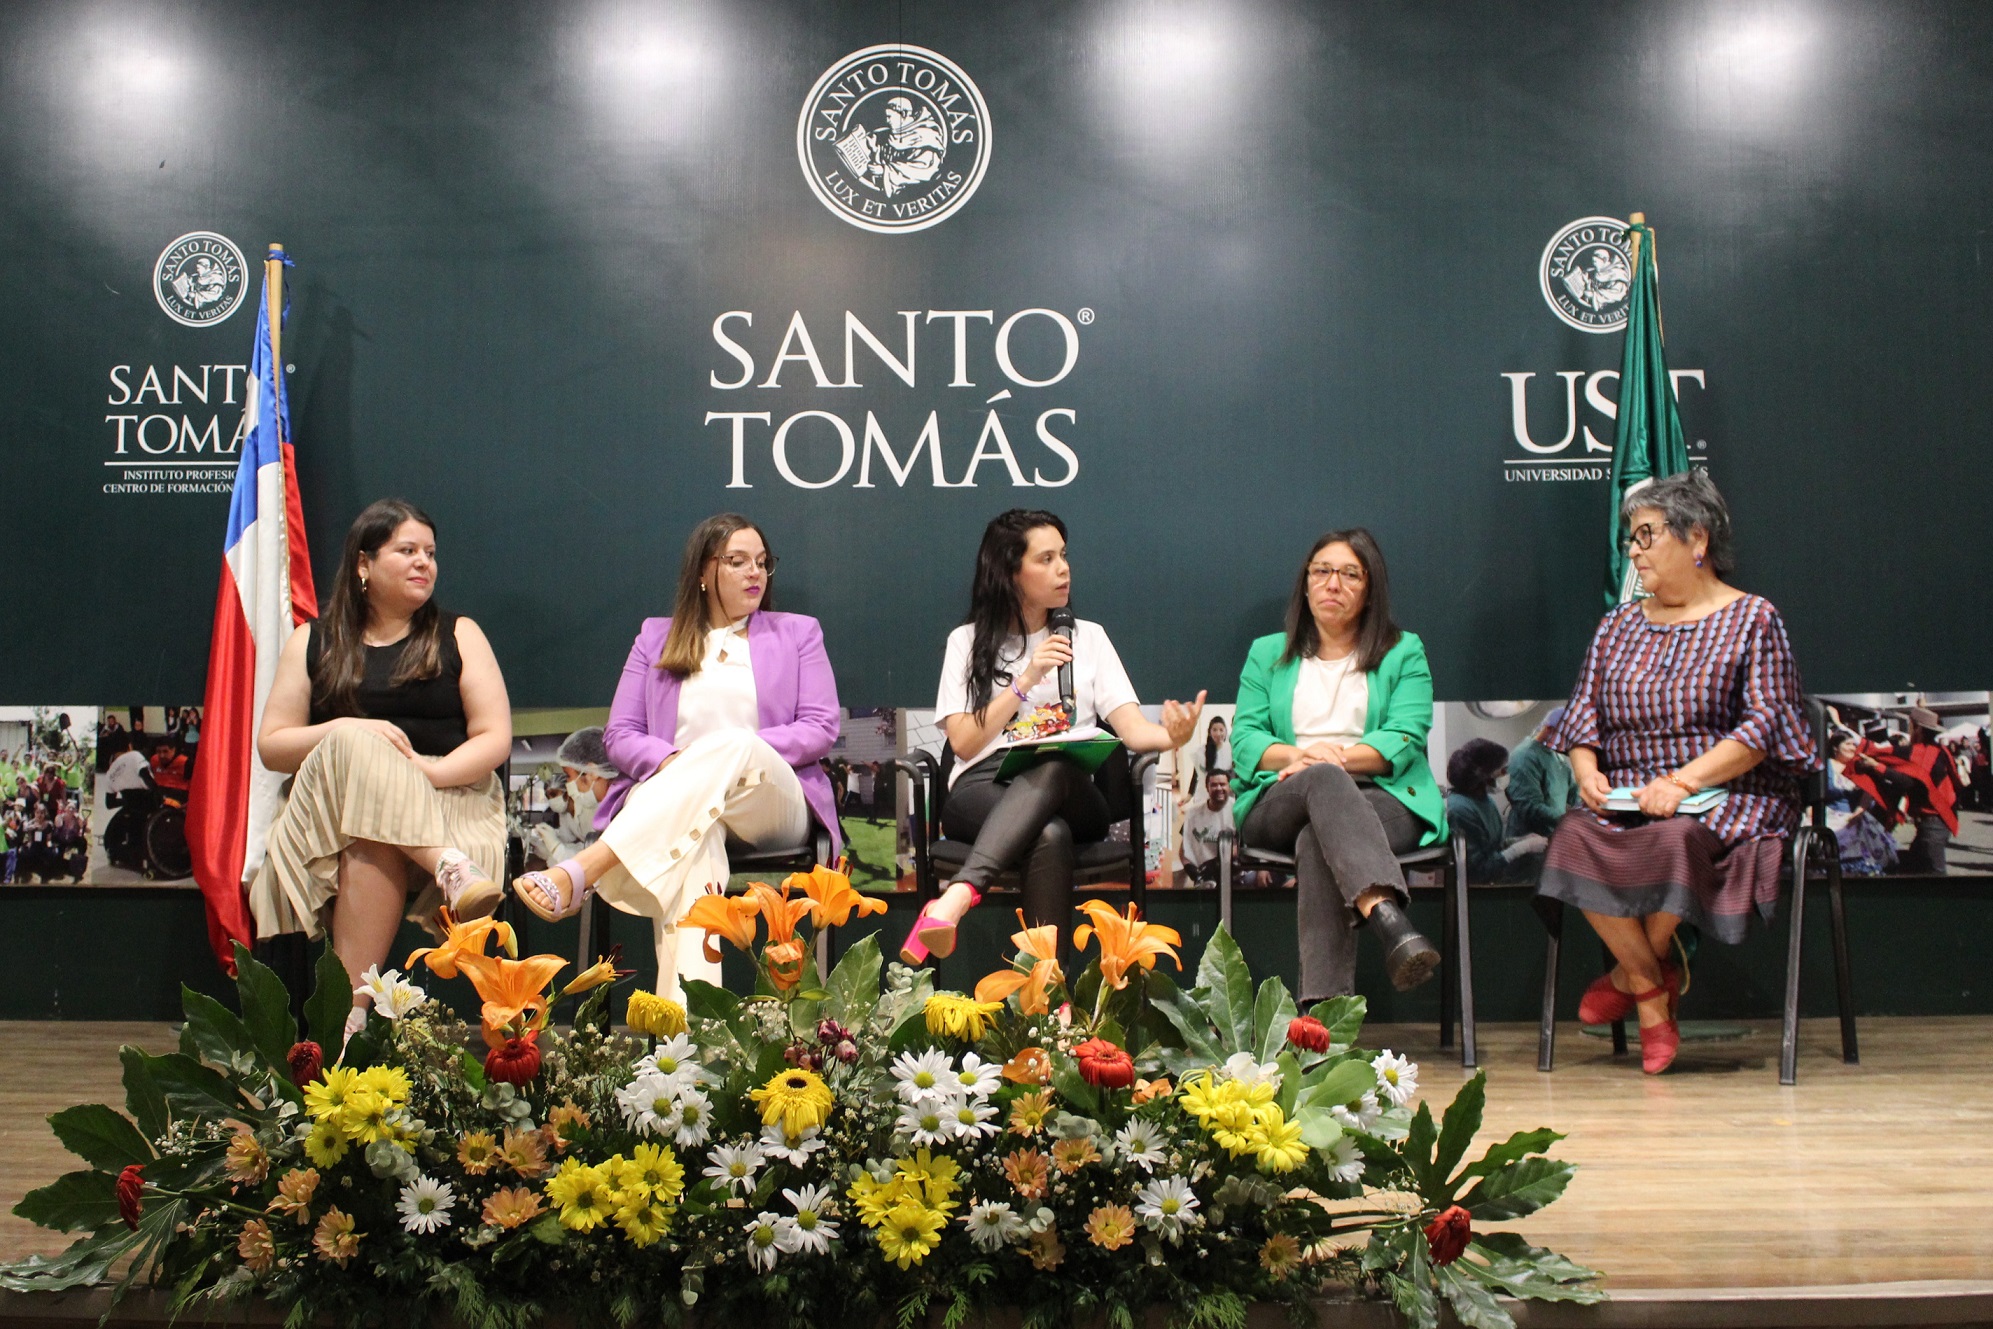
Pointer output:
x,y
466,890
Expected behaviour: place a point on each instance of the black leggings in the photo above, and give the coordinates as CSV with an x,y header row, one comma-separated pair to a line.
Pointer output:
x,y
1034,820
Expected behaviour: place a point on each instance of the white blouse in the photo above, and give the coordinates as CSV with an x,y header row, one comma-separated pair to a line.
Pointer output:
x,y
721,695
1331,701
1100,683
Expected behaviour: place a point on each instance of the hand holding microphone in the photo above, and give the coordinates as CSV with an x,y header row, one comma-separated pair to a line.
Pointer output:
x,y
1061,623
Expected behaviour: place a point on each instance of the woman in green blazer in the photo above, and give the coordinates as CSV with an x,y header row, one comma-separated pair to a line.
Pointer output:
x,y
1329,746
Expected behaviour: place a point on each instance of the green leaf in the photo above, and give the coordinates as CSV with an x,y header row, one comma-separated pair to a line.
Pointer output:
x,y
471,1069
73,1202
1512,1150
1336,1085
1188,1019
1290,1081
1319,1130
911,1032
191,1089
1504,1260
102,1137
1418,1146
1414,1301
1344,1016
709,1002
1226,985
143,1098
1273,1011
1473,1305
1518,1189
266,1007
593,1012
84,1263
853,991
331,998
213,1032
548,1230
1456,1132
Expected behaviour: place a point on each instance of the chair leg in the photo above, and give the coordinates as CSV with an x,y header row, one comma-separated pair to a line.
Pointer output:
x,y
1449,972
1844,987
1464,954
1788,1053
1552,913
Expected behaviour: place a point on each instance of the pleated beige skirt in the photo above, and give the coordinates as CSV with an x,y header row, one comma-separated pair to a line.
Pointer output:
x,y
356,786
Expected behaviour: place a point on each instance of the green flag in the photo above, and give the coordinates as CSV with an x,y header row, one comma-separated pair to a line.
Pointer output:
x,y
1647,441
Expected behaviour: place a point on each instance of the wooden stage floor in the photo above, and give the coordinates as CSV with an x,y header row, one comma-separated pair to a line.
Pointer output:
x,y
1709,1177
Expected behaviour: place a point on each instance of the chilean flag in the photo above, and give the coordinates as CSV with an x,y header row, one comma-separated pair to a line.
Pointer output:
x,y
266,591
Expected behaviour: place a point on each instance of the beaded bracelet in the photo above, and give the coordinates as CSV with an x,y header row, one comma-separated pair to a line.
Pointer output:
x,y
1674,778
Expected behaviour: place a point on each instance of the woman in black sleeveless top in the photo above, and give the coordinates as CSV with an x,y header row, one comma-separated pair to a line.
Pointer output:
x,y
391,716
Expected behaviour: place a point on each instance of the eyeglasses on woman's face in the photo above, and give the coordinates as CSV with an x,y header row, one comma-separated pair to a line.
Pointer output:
x,y
1642,537
1351,575
740,563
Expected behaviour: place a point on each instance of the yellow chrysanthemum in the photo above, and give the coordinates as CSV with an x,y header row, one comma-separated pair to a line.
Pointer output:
x,y
478,1153
950,1016
1279,1146
643,1221
390,1082
586,1195
1111,1227
797,1098
326,1096
937,1175
364,1119
1029,1111
659,1017
908,1233
325,1146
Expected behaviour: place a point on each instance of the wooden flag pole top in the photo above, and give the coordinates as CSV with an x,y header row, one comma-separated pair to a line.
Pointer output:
x,y
273,295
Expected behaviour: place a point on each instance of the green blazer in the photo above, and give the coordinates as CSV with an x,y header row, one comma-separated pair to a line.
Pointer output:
x,y
1396,725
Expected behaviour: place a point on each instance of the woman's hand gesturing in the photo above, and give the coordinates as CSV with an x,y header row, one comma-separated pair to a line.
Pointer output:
x,y
1181,720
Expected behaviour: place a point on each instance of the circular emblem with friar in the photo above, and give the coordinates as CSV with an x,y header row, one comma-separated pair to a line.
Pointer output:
x,y
200,279
894,138
1587,274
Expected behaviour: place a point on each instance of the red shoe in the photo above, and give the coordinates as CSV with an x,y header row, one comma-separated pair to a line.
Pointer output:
x,y
1659,1042
932,936
1605,1004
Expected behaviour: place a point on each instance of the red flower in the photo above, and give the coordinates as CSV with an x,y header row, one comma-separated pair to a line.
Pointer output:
x,y
307,1059
130,1185
1104,1065
515,1061
1308,1033
1448,1235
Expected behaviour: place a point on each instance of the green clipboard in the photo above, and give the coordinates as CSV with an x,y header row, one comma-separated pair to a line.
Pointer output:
x,y
1089,753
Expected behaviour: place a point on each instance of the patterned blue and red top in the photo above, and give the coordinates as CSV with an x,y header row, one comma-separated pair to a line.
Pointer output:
x,y
1653,697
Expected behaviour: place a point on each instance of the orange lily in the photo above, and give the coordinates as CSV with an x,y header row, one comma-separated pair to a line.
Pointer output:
x,y
602,971
1125,941
461,940
1042,945
510,988
785,949
832,898
728,916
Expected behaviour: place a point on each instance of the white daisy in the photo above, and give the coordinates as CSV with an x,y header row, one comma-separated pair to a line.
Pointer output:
x,y
1168,1206
1141,1143
675,1059
1397,1077
926,1077
768,1239
927,1123
978,1079
812,1231
993,1225
972,1119
734,1166
394,996
1365,1116
1345,1160
796,1149
648,1103
1242,1066
425,1205
691,1119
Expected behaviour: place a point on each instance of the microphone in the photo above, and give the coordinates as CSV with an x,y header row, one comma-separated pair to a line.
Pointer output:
x,y
1061,623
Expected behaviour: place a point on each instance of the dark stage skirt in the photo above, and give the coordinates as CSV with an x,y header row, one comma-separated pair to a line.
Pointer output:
x,y
1631,868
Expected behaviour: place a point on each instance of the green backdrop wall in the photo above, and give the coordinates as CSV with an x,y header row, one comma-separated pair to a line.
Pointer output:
x,y
1299,248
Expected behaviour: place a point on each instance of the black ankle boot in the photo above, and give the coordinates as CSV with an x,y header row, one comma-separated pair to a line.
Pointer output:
x,y
1409,958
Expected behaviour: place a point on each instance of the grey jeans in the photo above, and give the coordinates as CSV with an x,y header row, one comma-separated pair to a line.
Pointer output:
x,y
1345,838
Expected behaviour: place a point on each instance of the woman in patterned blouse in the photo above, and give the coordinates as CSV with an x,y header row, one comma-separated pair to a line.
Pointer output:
x,y
1693,686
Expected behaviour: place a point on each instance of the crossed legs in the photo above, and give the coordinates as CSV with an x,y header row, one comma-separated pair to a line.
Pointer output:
x,y
1640,945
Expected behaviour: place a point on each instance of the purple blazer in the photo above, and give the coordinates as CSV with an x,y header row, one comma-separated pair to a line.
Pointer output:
x,y
794,690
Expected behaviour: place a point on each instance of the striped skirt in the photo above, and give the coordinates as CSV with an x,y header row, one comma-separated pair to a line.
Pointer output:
x,y
356,786
1674,865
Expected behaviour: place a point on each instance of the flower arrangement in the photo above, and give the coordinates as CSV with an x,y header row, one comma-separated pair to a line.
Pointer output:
x,y
840,1153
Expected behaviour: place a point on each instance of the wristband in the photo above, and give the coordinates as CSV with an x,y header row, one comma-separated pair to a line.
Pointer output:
x,y
1018,692
1674,778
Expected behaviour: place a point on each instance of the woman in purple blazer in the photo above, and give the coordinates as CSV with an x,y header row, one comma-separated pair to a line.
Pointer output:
x,y
724,712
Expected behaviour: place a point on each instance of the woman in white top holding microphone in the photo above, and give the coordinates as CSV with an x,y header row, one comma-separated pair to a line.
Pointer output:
x,y
1000,682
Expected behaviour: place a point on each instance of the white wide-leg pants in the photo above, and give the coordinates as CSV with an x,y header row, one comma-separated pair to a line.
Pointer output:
x,y
670,838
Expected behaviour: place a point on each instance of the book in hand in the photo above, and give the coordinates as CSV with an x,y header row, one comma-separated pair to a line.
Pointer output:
x,y
1088,745
1627,799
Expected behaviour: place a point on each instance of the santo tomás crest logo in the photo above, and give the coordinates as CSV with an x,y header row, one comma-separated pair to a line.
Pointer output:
x,y
200,279
894,138
1587,274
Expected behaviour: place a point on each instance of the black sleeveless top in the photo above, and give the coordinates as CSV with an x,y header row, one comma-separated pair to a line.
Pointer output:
x,y
429,710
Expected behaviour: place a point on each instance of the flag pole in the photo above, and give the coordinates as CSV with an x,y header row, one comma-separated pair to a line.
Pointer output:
x,y
273,303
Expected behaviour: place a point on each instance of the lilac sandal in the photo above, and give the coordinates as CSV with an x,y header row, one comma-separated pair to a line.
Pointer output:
x,y
564,883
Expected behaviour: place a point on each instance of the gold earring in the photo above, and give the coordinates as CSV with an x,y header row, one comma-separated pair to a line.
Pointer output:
x,y
363,583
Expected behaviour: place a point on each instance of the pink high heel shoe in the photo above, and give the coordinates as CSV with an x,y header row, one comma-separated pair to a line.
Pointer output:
x,y
932,936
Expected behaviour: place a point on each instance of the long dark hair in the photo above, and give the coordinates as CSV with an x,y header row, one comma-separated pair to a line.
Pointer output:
x,y
343,626
1376,631
685,644
993,605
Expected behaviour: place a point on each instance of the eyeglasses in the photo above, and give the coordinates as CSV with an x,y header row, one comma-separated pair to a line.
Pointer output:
x,y
765,565
1349,576
1643,537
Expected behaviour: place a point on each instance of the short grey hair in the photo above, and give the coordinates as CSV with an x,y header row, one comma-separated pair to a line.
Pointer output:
x,y
1685,502
584,751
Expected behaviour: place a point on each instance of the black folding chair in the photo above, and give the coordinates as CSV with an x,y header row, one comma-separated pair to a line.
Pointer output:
x,y
1813,840
1449,861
